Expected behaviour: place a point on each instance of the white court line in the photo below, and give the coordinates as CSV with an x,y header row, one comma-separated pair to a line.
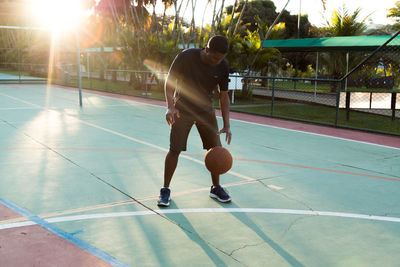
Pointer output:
x,y
23,101
204,210
130,138
159,148
243,121
316,134
21,108
275,127
281,128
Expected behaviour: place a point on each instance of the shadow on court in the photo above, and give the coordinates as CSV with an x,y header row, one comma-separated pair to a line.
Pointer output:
x,y
250,224
181,220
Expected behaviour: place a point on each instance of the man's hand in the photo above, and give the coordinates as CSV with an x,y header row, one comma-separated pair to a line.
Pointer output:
x,y
170,115
228,133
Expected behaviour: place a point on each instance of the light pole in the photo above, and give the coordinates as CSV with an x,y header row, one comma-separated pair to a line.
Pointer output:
x,y
298,21
78,53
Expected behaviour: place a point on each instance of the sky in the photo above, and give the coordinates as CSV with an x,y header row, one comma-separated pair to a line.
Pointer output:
x,y
314,9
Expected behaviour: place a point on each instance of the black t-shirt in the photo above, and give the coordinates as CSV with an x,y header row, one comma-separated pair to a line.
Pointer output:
x,y
197,81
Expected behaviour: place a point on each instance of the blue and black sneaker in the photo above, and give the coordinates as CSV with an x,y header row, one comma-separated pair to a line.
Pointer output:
x,y
219,194
164,198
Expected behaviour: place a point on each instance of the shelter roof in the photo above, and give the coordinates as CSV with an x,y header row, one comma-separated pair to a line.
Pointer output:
x,y
345,43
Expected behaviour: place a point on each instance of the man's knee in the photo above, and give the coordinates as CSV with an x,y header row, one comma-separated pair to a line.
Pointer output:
x,y
174,154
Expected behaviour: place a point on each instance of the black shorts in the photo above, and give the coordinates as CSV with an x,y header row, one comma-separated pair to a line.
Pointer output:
x,y
206,124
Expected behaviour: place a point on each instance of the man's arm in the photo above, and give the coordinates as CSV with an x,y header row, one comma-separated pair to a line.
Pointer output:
x,y
224,105
169,89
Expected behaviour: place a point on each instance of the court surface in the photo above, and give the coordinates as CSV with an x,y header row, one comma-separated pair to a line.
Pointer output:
x,y
79,186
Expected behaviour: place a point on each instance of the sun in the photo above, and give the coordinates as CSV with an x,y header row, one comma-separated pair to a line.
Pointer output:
x,y
57,14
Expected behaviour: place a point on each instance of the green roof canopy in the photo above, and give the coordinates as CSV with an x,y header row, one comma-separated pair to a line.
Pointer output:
x,y
346,43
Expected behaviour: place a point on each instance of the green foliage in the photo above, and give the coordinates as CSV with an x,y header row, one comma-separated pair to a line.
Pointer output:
x,y
394,13
345,24
265,11
342,23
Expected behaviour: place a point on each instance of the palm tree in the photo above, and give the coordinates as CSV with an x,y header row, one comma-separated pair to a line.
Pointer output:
x,y
394,13
342,23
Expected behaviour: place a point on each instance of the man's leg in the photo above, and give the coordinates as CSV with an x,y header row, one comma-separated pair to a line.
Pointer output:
x,y
171,161
215,179
208,129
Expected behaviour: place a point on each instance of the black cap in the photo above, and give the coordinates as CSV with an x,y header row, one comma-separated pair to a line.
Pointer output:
x,y
218,43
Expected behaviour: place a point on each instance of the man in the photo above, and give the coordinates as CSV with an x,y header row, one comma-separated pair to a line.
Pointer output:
x,y
189,89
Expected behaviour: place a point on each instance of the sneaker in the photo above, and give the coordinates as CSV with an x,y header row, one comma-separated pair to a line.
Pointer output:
x,y
165,197
219,194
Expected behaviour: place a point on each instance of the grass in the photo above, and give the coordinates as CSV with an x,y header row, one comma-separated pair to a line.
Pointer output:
x,y
262,106
321,87
322,114
117,87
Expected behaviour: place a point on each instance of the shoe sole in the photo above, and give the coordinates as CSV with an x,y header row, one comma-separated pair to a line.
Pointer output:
x,y
220,199
162,204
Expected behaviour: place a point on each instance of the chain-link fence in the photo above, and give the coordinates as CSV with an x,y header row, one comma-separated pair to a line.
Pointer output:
x,y
303,99
366,98
372,87
321,101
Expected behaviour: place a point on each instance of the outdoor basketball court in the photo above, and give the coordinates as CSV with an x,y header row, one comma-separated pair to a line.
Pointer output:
x,y
79,186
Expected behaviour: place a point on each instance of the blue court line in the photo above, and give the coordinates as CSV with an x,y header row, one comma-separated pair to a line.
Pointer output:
x,y
76,241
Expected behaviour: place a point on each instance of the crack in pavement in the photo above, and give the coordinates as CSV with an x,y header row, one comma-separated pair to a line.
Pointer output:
x,y
283,194
291,225
245,246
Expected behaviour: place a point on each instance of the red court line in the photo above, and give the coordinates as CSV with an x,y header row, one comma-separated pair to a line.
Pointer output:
x,y
36,246
361,136
202,156
320,169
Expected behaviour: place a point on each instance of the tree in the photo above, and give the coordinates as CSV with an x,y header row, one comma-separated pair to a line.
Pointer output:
x,y
292,28
342,23
394,13
265,10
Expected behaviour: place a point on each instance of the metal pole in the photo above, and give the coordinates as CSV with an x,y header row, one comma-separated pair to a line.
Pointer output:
x,y
298,37
272,97
88,69
88,64
347,71
337,103
393,106
78,53
19,56
316,77
298,22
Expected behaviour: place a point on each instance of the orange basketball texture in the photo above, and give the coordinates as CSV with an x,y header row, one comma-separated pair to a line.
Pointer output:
x,y
218,160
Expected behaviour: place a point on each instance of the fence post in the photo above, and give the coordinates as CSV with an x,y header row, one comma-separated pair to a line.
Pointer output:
x,y
105,75
272,97
337,103
347,105
393,106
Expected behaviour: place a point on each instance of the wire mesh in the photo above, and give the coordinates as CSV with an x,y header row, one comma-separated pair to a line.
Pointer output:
x,y
369,94
366,98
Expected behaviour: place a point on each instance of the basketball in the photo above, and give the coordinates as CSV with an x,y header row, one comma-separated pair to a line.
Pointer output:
x,y
218,160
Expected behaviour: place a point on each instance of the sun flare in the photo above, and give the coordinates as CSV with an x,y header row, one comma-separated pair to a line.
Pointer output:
x,y
57,14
